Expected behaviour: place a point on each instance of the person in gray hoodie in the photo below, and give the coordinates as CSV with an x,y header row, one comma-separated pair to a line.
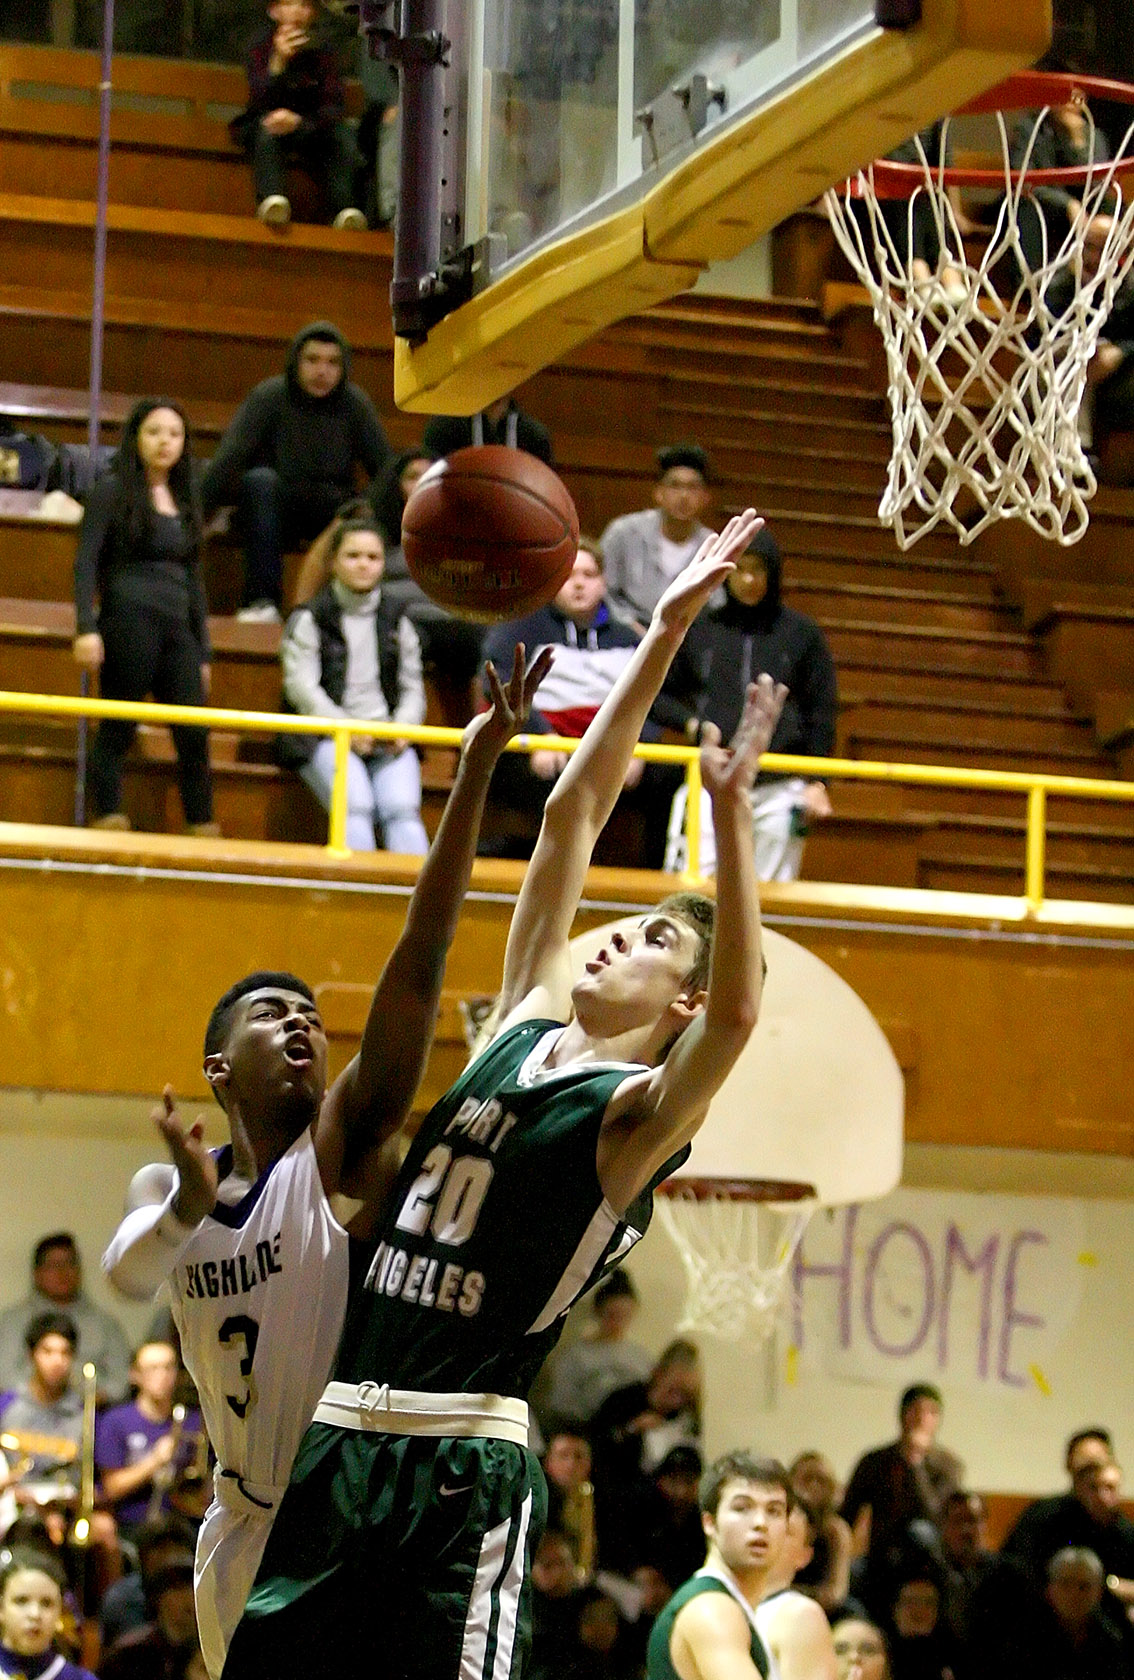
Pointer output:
x,y
349,652
289,459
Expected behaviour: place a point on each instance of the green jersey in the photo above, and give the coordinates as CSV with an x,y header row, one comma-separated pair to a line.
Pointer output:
x,y
659,1663
497,1224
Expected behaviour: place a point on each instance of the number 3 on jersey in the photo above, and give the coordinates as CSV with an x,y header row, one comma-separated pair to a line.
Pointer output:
x,y
446,1196
240,1328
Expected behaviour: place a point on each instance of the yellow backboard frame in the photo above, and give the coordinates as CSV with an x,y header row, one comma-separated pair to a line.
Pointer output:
x,y
736,187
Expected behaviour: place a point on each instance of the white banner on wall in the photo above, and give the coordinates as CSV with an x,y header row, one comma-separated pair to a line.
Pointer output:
x,y
976,1291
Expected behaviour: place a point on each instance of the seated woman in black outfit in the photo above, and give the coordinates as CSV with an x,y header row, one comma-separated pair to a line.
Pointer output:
x,y
139,558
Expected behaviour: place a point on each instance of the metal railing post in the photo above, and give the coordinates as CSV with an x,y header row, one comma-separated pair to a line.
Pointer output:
x,y
693,818
1036,848
337,830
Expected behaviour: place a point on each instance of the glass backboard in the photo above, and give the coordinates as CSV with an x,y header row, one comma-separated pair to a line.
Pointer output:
x,y
594,155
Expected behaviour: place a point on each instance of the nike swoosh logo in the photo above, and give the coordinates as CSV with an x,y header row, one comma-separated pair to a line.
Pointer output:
x,y
448,1492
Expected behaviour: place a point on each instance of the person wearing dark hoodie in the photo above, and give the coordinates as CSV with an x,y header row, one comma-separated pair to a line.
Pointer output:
x,y
295,116
746,631
289,459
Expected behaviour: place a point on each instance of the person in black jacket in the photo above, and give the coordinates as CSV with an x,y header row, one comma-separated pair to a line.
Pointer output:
x,y
751,630
295,116
289,457
140,614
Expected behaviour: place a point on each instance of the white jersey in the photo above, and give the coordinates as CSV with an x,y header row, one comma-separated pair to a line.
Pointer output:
x,y
258,1293
258,1297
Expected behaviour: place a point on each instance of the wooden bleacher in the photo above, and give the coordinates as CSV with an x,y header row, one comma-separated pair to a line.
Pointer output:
x,y
944,654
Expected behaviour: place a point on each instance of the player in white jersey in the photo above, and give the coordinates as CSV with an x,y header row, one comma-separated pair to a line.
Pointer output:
x,y
256,1260
794,1629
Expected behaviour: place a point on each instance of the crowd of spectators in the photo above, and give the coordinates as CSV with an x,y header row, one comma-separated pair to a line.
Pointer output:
x,y
362,640
898,1562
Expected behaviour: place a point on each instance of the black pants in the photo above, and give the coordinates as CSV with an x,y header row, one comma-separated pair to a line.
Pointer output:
x,y
149,653
331,159
273,517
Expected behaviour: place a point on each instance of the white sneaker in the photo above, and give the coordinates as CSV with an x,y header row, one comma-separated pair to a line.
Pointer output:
x,y
352,219
275,210
260,612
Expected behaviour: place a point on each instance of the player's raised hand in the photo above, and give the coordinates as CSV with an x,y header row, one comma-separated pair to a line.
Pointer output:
x,y
730,771
707,570
490,731
196,1170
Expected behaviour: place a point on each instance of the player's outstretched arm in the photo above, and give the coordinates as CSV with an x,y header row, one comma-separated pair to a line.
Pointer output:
x,y
652,1119
165,1203
372,1096
537,970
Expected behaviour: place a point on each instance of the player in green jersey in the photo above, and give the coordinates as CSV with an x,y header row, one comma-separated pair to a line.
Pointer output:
x,y
414,1502
708,1629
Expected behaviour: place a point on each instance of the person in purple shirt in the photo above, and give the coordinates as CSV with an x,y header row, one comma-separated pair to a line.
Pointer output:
x,y
31,1609
137,1442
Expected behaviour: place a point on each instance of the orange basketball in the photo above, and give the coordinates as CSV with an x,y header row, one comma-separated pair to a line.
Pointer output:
x,y
490,533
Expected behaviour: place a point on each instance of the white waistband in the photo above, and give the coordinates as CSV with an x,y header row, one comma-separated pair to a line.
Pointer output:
x,y
399,1411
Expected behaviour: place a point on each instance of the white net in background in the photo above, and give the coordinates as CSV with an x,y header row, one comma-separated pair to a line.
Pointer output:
x,y
985,391
737,1255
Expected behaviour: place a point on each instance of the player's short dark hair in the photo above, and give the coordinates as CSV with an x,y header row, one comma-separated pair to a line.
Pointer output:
x,y
31,1557
221,1018
741,1467
1092,1434
699,914
50,1324
919,1391
619,1285
689,455
57,1239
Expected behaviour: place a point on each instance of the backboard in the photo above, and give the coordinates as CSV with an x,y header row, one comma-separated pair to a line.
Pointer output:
x,y
817,1096
578,160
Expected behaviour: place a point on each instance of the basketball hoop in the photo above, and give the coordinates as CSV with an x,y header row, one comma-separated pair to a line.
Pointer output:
x,y
736,1238
1019,455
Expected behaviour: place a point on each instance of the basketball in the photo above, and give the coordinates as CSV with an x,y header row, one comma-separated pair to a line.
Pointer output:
x,y
490,533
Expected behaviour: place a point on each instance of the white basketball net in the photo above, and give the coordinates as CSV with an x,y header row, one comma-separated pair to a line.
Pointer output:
x,y
1018,455
737,1256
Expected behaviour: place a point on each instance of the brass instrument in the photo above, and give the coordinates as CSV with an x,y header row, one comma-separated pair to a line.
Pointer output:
x,y
166,1474
81,1533
578,1520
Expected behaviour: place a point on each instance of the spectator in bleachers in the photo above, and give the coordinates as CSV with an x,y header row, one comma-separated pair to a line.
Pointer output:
x,y
752,631
1088,1518
592,648
921,1648
645,551
350,653
503,421
126,1605
294,118
378,137
860,1649
139,560
57,1286
1063,140
289,458
583,1372
136,1443
556,1598
570,1495
826,1576
1075,1641
32,1588
988,1604
672,1539
911,223
161,1649
896,1494
46,1409
631,1434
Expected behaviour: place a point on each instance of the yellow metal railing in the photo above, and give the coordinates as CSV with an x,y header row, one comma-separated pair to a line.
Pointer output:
x,y
1034,786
